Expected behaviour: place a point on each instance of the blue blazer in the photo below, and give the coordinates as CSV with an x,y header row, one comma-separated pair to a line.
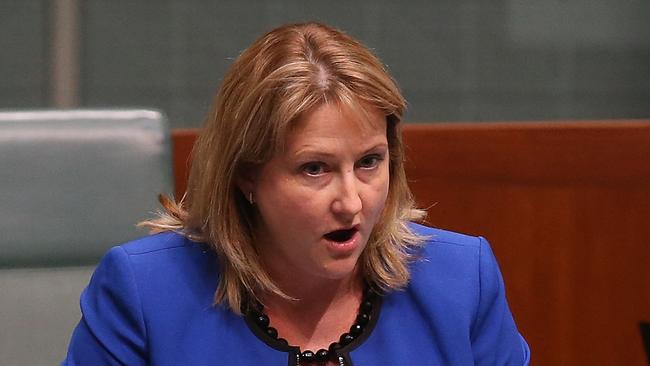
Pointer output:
x,y
150,302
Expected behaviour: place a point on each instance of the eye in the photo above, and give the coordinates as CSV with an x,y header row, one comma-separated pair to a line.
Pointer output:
x,y
370,161
313,169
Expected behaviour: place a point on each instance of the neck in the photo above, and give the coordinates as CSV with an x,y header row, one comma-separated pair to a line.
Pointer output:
x,y
303,288
311,295
320,311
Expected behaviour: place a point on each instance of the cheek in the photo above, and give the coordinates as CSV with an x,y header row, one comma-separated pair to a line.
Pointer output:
x,y
286,203
377,196
384,193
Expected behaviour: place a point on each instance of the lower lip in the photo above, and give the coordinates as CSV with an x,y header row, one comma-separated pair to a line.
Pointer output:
x,y
344,248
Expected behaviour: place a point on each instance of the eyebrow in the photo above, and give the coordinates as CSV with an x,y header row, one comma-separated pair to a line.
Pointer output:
x,y
314,150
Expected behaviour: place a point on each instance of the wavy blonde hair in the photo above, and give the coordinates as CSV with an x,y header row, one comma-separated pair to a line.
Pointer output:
x,y
283,75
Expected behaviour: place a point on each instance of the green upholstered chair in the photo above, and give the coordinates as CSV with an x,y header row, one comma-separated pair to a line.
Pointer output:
x,y
73,183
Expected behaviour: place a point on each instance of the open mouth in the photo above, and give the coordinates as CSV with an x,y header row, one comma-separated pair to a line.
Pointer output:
x,y
341,236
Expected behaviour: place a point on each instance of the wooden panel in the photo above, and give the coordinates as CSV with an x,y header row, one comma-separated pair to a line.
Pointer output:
x,y
182,144
566,207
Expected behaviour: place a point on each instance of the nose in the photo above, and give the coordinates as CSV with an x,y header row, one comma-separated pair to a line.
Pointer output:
x,y
347,202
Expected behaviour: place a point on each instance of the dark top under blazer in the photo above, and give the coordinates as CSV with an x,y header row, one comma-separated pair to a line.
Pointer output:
x,y
150,302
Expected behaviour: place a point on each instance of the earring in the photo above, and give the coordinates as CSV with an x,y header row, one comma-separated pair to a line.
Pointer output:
x,y
250,197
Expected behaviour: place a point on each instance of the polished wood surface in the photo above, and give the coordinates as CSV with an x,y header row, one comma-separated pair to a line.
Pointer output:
x,y
182,144
566,207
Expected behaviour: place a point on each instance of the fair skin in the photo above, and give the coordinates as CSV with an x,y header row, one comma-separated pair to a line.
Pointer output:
x,y
317,202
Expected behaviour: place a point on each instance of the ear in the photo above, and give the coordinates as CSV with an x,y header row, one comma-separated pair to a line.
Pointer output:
x,y
246,179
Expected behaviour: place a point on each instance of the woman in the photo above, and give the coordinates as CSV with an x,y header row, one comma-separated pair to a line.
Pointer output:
x,y
294,243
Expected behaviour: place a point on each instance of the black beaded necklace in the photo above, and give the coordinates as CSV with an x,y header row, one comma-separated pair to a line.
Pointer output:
x,y
255,312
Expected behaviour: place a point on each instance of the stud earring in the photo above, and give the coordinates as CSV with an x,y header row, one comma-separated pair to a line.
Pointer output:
x,y
250,197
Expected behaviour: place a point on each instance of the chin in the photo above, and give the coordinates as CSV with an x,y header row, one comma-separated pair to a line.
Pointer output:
x,y
341,269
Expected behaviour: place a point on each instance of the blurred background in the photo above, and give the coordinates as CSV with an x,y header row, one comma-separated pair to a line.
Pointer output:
x,y
456,60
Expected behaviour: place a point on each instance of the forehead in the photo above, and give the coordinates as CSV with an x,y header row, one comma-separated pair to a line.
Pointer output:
x,y
338,121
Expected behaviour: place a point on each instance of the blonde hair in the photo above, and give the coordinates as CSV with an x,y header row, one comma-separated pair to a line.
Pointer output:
x,y
281,76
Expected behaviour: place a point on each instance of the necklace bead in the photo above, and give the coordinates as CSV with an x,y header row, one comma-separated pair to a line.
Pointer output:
x,y
366,306
356,330
272,332
334,346
322,355
262,320
346,338
308,356
363,318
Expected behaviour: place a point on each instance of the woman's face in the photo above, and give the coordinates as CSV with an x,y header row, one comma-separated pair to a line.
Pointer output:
x,y
320,198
